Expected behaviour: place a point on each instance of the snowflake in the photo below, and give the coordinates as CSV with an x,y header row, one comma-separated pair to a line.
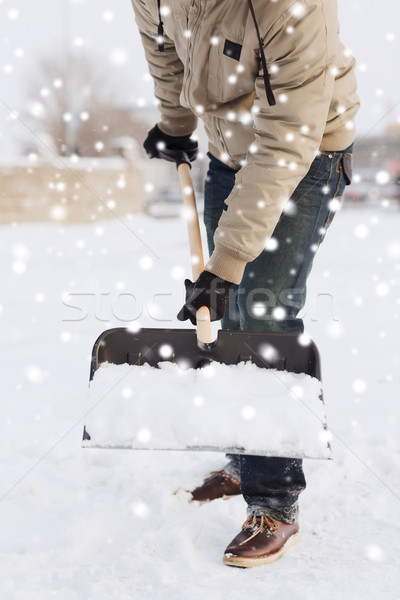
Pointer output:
x,y
140,509
382,177
279,313
177,272
382,289
361,231
19,267
99,146
271,244
145,262
359,386
133,326
248,413
166,351
118,56
198,401
34,374
374,553
268,352
297,10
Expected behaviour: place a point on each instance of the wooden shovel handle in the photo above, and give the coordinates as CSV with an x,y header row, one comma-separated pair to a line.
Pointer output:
x,y
196,251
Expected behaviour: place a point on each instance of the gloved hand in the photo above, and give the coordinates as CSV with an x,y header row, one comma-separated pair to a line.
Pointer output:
x,y
160,145
208,290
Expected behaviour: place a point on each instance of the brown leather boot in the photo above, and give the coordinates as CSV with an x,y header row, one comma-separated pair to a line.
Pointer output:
x,y
261,541
219,484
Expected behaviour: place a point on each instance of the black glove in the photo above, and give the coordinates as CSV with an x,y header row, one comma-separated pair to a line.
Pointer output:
x,y
208,290
160,145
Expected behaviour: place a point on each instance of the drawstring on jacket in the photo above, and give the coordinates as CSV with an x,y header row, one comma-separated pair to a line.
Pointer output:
x,y
160,31
267,84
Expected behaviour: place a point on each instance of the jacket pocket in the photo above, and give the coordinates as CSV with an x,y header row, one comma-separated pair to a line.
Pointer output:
x,y
228,77
347,165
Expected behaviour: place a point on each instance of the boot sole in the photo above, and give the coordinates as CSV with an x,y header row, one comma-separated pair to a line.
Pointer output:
x,y
241,561
212,499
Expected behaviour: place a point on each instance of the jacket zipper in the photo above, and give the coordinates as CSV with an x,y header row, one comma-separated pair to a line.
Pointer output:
x,y
188,76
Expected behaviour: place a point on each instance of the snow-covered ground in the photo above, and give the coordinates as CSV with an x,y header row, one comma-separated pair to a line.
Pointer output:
x,y
95,524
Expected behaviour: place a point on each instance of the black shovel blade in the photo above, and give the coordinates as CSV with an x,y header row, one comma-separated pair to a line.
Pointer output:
x,y
281,351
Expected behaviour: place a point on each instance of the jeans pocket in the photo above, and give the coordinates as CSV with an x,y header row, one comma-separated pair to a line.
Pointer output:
x,y
347,165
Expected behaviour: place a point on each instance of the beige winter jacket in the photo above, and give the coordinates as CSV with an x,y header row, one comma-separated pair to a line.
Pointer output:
x,y
211,68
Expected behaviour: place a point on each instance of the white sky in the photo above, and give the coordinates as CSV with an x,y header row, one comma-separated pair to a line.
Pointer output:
x,y
30,29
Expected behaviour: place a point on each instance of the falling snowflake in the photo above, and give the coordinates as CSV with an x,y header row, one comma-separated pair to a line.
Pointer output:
x,y
382,177
271,244
140,509
304,340
99,146
34,374
248,413
133,326
259,309
144,435
118,56
177,272
297,391
19,267
359,386
374,553
279,313
361,231
382,289
166,351
198,401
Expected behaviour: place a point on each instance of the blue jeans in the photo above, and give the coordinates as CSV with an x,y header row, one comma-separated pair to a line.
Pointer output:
x,y
270,296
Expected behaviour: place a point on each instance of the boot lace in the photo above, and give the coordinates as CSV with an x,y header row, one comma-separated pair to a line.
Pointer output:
x,y
221,472
252,522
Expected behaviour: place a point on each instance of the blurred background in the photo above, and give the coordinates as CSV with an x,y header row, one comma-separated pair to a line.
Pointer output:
x,y
76,102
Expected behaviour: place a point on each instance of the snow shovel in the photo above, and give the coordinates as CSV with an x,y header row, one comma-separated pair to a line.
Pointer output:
x,y
178,389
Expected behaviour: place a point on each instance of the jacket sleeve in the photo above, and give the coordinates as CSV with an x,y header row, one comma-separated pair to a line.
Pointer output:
x,y
300,51
166,70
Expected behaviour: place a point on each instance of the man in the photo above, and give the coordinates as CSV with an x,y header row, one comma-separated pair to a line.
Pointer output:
x,y
277,93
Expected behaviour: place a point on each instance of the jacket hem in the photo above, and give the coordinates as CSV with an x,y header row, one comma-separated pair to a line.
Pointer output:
x,y
337,141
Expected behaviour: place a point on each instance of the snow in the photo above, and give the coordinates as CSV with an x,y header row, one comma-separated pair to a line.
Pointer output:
x,y
81,524
263,411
